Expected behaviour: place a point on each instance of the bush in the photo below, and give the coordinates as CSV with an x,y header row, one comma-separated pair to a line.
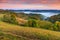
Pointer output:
x,y
57,26
10,18
40,24
45,25
32,23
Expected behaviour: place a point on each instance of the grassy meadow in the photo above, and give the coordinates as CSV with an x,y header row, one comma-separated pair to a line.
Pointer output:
x,y
15,32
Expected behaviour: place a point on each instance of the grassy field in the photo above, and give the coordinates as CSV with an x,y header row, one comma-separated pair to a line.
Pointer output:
x,y
14,32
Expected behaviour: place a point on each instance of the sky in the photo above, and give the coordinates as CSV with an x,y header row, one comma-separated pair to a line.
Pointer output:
x,y
30,4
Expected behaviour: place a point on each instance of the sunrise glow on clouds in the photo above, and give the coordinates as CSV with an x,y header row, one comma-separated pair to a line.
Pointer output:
x,y
30,4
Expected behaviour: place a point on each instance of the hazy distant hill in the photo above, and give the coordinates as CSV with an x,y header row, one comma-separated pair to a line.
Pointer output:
x,y
55,11
30,16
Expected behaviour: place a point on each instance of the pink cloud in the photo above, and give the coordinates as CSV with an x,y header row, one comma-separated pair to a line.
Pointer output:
x,y
32,1
28,6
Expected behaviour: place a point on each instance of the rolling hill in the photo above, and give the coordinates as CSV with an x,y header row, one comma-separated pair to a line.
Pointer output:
x,y
15,32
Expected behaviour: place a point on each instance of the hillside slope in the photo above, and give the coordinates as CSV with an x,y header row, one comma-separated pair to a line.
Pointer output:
x,y
15,32
8,36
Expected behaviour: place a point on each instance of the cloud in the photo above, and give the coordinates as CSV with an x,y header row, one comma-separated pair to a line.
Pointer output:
x,y
31,1
30,4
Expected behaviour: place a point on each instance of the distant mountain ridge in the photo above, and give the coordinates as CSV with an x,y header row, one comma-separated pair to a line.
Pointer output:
x,y
54,11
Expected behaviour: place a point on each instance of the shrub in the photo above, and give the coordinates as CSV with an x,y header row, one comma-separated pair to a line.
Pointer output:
x,y
45,25
57,26
10,18
40,24
32,23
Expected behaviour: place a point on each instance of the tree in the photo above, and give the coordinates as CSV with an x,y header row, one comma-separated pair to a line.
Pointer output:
x,y
10,18
32,23
36,16
55,27
55,18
